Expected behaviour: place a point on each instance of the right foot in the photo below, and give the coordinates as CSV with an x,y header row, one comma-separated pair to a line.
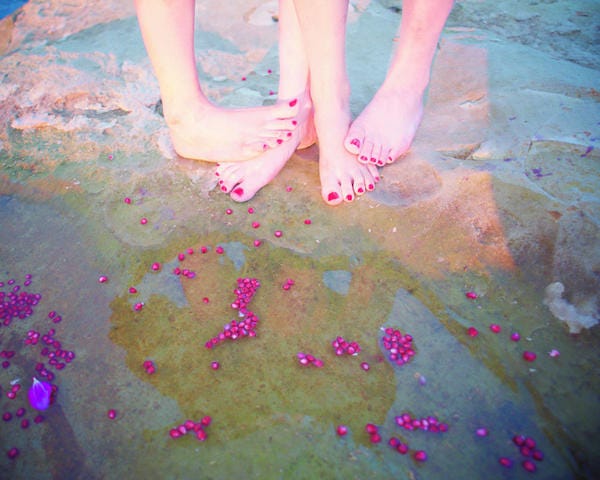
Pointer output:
x,y
342,177
242,180
217,134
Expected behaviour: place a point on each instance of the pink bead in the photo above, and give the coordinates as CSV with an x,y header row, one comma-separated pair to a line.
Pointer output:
x,y
257,243
127,200
471,295
307,221
112,414
13,453
144,221
481,432
529,466
219,250
529,356
341,430
365,366
375,438
229,211
102,279
255,224
472,331
420,456
156,266
215,365
132,290
495,328
505,462
250,210
278,233
515,336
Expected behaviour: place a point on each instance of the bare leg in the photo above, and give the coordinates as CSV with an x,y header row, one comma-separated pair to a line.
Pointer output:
x,y
323,26
199,129
243,179
386,128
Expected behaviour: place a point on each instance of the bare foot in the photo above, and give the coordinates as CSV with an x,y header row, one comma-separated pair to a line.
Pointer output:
x,y
216,134
386,127
342,178
242,180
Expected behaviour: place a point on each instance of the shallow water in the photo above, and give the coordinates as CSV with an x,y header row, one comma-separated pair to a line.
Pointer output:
x,y
273,418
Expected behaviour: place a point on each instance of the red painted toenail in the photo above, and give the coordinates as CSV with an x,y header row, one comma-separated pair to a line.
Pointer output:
x,y
293,102
355,142
238,191
279,141
349,197
333,196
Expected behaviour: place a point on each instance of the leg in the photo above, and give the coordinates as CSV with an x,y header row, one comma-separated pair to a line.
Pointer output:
x,y
386,128
323,27
199,129
243,179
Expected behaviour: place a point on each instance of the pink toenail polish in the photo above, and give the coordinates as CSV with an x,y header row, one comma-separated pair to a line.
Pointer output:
x,y
293,102
238,191
289,134
355,142
265,146
279,141
221,182
349,197
390,159
360,190
380,163
370,186
363,158
294,122
224,188
377,179
373,160
333,196
217,174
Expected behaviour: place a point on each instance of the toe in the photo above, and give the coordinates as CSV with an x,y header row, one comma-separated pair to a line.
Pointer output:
x,y
354,140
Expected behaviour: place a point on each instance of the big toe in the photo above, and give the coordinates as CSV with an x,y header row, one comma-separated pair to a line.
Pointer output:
x,y
354,140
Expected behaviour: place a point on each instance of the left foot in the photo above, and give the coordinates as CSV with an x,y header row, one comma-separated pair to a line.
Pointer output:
x,y
385,129
242,180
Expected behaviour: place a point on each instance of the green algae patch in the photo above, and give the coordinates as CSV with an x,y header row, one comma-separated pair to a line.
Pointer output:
x,y
259,378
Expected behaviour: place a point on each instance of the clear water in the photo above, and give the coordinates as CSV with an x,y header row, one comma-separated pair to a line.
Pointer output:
x,y
9,6
273,418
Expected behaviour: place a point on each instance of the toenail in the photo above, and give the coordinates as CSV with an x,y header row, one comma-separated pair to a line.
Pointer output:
x,y
360,190
289,134
294,122
380,163
390,159
349,197
333,196
238,191
370,186
363,158
217,174
355,142
293,102
224,188
265,146
279,141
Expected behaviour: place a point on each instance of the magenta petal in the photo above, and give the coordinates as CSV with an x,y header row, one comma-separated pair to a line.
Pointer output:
x,y
39,394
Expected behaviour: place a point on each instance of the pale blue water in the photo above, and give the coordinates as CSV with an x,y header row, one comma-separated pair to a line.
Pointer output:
x,y
9,6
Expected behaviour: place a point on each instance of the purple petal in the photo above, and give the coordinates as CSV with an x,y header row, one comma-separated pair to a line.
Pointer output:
x,y
39,394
